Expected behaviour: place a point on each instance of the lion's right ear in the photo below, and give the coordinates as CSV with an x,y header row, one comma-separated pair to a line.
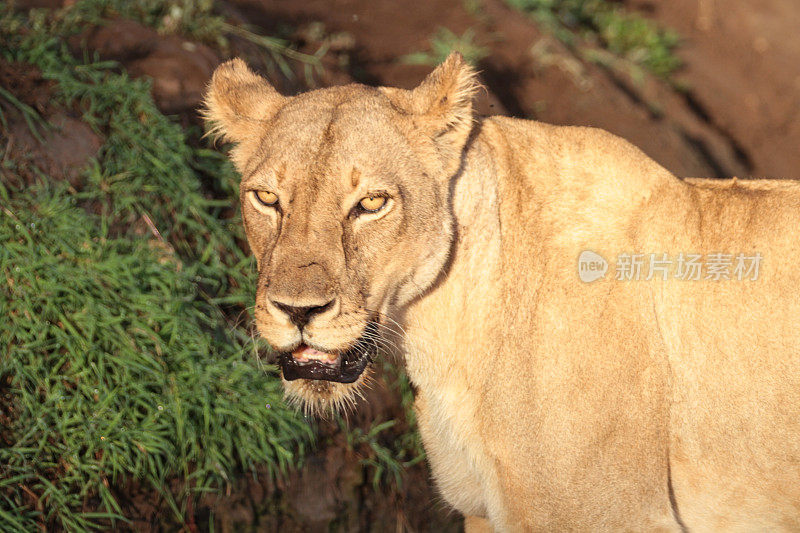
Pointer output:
x,y
237,99
441,107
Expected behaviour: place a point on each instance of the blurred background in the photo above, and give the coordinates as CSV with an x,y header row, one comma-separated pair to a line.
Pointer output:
x,y
134,392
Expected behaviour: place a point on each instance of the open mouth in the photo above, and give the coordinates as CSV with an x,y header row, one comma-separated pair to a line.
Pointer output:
x,y
341,367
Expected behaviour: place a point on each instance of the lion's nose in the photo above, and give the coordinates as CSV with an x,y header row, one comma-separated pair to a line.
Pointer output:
x,y
300,316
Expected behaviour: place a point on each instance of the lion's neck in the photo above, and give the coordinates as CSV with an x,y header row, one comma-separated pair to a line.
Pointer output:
x,y
451,320
449,346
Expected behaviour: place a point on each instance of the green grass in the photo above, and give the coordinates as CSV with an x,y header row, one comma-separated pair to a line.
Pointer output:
x,y
387,449
31,117
119,354
442,43
117,370
125,352
192,18
609,26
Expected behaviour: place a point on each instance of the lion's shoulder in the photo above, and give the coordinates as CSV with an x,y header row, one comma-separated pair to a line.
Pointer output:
x,y
570,157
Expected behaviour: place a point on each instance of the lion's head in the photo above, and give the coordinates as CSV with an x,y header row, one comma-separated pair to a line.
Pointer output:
x,y
345,201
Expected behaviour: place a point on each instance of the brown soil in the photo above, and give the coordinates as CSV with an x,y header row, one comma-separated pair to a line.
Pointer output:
x,y
26,82
548,83
743,69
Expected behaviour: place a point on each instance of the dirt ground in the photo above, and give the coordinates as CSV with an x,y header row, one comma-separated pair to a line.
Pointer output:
x,y
738,116
743,64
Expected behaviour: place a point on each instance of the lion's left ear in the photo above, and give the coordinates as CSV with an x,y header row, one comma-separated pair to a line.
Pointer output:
x,y
442,107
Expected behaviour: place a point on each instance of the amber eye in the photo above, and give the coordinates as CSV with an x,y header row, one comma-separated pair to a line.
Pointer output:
x,y
264,198
372,204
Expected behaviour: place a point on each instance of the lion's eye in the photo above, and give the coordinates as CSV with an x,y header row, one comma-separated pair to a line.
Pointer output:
x,y
266,197
372,204
263,199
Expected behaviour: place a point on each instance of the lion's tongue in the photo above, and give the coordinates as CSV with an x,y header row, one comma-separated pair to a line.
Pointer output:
x,y
304,354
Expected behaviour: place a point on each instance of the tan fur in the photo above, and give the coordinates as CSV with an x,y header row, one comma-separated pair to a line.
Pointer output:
x,y
544,403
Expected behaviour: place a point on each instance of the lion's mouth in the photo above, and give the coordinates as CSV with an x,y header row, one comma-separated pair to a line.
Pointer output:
x,y
343,367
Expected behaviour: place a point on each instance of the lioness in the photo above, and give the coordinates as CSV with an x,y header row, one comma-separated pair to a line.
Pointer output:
x,y
382,217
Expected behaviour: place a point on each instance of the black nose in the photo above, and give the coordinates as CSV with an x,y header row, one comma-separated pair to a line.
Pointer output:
x,y
301,315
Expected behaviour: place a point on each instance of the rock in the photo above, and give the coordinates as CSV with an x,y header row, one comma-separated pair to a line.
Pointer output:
x,y
180,71
119,40
68,146
178,67
26,83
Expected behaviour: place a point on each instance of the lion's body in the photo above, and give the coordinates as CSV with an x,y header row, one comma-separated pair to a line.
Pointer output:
x,y
545,402
548,403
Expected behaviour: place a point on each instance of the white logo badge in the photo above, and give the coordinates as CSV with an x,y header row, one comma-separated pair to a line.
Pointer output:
x,y
591,266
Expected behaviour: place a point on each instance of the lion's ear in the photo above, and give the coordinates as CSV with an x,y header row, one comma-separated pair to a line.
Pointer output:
x,y
442,105
237,98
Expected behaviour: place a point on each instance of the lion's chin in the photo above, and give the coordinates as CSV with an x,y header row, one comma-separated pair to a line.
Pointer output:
x,y
320,397
323,382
